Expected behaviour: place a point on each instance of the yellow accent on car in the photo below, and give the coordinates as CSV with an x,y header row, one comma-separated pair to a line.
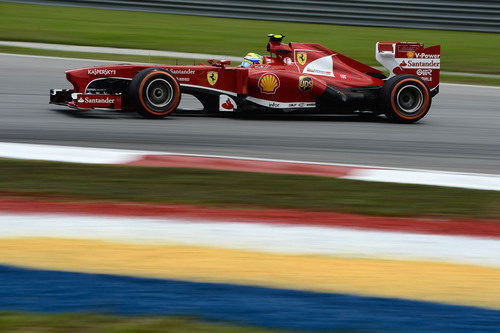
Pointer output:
x,y
302,58
268,83
212,77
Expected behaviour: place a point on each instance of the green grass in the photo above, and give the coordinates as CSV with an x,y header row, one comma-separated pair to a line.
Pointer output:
x,y
15,322
230,189
485,81
461,51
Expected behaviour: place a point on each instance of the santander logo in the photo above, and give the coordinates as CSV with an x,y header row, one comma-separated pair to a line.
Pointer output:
x,y
228,105
106,100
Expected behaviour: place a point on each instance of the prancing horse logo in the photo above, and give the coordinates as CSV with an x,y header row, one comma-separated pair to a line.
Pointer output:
x,y
302,58
212,77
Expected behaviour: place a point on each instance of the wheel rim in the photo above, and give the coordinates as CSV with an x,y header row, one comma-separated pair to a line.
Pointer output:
x,y
410,99
159,93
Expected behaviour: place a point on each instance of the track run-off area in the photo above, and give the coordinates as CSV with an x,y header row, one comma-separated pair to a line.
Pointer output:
x,y
460,133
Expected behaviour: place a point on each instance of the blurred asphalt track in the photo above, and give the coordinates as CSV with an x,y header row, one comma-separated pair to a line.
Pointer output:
x,y
461,132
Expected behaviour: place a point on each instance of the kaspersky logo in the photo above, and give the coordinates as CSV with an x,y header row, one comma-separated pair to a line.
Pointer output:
x,y
101,71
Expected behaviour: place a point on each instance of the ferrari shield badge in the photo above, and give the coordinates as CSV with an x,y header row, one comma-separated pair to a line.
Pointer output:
x,y
302,58
212,77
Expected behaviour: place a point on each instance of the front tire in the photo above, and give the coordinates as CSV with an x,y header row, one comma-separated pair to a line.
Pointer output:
x,y
155,93
405,98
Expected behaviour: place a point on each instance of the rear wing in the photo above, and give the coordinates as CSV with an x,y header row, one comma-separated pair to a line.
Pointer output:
x,y
411,58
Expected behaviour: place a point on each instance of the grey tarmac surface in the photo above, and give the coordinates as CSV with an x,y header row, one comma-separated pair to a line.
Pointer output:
x,y
461,132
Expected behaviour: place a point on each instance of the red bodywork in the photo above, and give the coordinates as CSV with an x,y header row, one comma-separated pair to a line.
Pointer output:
x,y
296,77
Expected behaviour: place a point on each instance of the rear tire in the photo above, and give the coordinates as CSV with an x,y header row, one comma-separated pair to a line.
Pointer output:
x,y
154,93
405,98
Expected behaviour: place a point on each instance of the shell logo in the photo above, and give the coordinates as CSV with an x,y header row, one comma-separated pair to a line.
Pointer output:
x,y
410,54
269,83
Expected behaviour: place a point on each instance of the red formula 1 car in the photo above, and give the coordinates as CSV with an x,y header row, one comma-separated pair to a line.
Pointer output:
x,y
296,77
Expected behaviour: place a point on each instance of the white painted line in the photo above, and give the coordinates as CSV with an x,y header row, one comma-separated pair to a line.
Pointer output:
x,y
115,50
469,85
63,58
359,172
426,177
285,239
66,154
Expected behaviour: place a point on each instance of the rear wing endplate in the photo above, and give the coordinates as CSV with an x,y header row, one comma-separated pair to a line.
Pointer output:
x,y
411,58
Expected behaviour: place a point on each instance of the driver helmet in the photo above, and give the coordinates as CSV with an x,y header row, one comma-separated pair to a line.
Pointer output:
x,y
252,59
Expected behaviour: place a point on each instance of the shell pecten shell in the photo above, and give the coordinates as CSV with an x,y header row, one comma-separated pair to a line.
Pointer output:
x,y
268,83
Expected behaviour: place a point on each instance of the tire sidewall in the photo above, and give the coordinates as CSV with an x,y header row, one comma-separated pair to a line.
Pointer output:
x,y
389,105
138,93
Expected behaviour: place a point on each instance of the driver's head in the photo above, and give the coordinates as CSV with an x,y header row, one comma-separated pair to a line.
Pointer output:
x,y
252,59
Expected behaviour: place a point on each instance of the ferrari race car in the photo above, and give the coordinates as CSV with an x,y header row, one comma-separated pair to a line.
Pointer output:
x,y
296,77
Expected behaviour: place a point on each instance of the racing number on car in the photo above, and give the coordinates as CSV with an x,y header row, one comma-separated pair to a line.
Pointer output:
x,y
212,77
302,58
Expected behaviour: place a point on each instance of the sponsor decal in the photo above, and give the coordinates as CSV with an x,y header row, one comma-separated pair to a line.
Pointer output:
x,y
184,79
90,100
274,104
343,76
404,47
410,54
427,56
302,58
287,60
183,71
101,71
269,83
424,72
262,66
227,104
322,66
320,72
417,63
212,77
302,105
305,83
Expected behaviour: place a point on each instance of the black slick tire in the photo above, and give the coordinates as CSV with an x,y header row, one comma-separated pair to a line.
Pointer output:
x,y
405,98
154,93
